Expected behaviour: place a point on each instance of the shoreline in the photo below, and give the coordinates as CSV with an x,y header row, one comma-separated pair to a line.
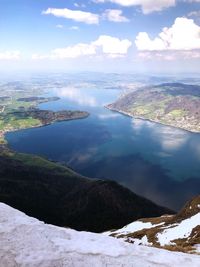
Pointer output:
x,y
4,133
149,120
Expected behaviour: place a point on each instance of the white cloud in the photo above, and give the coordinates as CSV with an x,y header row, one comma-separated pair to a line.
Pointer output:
x,y
169,55
74,51
60,26
183,35
114,15
77,15
75,28
79,5
112,45
10,55
154,55
194,14
106,45
147,6
68,52
143,42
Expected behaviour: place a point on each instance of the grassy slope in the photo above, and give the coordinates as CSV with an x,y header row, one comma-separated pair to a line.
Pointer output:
x,y
57,195
171,104
10,121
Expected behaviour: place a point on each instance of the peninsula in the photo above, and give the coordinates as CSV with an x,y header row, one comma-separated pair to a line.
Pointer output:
x,y
21,112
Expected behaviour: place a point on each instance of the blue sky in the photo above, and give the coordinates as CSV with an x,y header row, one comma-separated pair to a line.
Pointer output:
x,y
100,35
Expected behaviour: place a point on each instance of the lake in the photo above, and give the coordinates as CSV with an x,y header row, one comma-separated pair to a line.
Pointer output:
x,y
158,162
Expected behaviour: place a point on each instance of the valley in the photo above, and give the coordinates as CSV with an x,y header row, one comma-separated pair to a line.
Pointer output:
x,y
104,145
51,190
100,133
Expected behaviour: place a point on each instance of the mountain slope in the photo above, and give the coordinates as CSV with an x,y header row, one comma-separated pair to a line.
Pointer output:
x,y
173,104
57,195
180,232
27,242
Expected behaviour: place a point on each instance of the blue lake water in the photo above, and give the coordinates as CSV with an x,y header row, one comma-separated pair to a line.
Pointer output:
x,y
158,162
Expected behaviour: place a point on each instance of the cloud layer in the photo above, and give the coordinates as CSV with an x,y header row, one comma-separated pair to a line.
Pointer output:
x,y
114,15
76,15
104,45
147,6
10,55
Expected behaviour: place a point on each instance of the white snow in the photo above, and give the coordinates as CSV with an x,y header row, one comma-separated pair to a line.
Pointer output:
x,y
182,230
27,242
143,241
134,227
197,248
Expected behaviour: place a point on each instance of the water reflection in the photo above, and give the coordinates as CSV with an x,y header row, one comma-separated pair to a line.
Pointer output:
x,y
158,162
77,95
108,116
171,138
195,146
138,125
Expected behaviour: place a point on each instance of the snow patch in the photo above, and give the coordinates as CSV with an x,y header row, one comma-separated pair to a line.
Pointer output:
x,y
134,227
182,230
27,242
197,247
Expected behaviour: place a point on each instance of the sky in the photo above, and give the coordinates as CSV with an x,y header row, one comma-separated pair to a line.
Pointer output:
x,y
100,35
